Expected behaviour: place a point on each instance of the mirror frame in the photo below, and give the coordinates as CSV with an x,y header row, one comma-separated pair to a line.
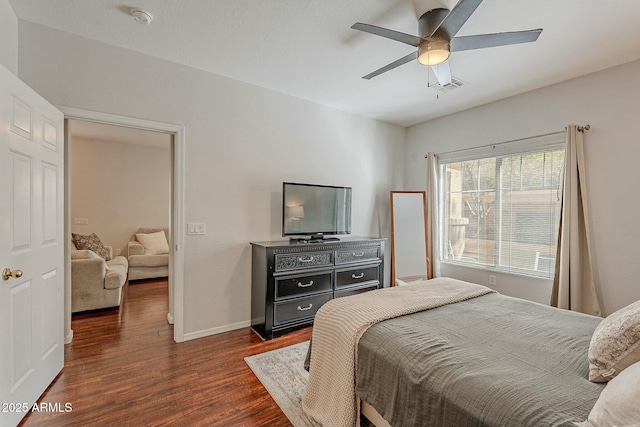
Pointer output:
x,y
393,237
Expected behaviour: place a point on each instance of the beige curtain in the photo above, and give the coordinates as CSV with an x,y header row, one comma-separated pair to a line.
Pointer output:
x,y
573,284
432,216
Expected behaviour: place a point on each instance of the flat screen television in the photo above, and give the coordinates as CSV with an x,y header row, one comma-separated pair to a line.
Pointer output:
x,y
315,211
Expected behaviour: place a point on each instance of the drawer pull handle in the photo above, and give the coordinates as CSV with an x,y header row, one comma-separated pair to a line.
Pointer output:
x,y
361,253
305,285
357,276
305,308
310,259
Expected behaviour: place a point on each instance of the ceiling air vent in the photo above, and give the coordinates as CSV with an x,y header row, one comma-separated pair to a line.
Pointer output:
x,y
455,84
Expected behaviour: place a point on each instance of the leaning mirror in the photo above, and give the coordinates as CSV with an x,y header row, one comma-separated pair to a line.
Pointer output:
x,y
409,260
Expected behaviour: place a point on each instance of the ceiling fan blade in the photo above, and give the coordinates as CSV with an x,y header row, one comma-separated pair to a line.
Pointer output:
x,y
442,72
394,64
458,16
390,34
491,40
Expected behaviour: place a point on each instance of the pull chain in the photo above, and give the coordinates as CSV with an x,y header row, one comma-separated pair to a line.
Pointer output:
x,y
429,83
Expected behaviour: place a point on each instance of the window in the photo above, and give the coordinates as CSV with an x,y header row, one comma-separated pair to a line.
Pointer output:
x,y
502,211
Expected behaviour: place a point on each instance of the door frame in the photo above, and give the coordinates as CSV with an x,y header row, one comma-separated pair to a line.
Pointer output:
x,y
175,315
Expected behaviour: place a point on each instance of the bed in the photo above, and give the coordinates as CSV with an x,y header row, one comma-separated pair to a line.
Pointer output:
x,y
478,358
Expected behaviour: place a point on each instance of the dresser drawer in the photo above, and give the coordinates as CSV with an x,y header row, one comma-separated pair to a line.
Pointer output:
x,y
303,260
351,291
300,285
357,275
299,308
346,256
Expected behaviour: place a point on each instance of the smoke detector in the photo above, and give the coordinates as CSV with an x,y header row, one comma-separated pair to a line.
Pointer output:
x,y
142,16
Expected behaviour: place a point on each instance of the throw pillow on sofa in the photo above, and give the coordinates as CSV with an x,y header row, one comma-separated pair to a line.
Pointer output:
x,y
92,243
154,243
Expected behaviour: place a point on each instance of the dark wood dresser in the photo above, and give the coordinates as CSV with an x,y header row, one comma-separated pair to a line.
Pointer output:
x,y
290,280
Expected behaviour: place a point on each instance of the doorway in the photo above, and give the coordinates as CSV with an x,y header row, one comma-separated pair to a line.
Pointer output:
x,y
176,211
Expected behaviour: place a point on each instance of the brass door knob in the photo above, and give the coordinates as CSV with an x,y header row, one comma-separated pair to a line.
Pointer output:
x,y
7,273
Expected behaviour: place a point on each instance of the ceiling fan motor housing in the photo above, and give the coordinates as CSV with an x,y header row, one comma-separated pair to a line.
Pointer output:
x,y
430,22
435,49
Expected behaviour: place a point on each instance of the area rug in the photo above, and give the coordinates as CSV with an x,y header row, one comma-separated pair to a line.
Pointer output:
x,y
282,374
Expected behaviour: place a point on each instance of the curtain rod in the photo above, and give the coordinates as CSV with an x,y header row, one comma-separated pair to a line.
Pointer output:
x,y
508,142
583,128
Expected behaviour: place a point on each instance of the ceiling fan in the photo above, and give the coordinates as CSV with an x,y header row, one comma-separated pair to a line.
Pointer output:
x,y
437,29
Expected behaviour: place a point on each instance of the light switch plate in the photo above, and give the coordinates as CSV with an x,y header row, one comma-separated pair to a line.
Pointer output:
x,y
196,228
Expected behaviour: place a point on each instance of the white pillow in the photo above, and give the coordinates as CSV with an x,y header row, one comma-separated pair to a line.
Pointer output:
x,y
619,402
615,343
154,243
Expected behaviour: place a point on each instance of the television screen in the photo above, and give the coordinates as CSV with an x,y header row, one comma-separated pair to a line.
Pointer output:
x,y
309,209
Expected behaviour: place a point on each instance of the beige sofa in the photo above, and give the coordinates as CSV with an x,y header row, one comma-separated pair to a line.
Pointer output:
x,y
96,283
143,266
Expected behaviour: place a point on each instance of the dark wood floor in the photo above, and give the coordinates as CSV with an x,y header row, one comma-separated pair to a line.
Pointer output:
x,y
124,369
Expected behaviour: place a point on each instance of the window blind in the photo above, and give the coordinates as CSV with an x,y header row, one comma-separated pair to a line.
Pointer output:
x,y
501,211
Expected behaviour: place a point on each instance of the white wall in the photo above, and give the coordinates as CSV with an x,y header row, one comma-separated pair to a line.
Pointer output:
x,y
242,142
8,37
119,187
609,102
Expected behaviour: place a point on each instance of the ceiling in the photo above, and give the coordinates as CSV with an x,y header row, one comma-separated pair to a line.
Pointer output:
x,y
307,49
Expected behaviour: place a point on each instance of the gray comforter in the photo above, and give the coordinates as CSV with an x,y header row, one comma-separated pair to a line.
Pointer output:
x,y
489,361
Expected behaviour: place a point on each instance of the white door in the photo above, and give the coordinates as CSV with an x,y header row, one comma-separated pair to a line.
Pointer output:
x,y
31,247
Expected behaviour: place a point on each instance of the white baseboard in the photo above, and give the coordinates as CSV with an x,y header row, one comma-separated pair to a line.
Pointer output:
x,y
69,337
218,330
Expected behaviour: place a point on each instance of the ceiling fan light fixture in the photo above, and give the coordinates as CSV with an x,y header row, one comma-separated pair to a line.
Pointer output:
x,y
433,51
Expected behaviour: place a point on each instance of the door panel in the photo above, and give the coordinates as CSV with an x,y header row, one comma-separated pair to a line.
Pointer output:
x,y
31,229
50,197
21,339
50,134
50,312
21,197
21,122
